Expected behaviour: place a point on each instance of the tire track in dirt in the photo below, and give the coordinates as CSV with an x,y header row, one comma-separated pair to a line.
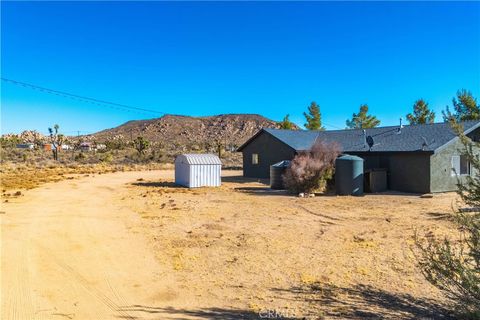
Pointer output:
x,y
92,290
72,256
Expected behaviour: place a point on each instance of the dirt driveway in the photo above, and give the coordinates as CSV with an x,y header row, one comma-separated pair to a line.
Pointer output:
x,y
67,252
131,245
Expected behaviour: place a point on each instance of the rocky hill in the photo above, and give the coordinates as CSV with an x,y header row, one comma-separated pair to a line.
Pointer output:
x,y
183,133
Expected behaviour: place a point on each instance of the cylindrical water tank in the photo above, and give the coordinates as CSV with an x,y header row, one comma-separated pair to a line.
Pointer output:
x,y
277,171
349,175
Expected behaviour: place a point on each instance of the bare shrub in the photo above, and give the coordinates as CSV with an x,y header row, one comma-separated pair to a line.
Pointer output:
x,y
310,170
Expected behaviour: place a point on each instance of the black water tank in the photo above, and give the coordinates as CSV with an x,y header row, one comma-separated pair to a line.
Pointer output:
x,y
277,171
349,175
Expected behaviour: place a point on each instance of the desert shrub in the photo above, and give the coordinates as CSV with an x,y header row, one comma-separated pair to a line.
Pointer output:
x,y
116,144
106,157
80,156
312,169
9,141
453,265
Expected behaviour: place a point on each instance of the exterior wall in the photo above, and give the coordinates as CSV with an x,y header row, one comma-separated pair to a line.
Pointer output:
x,y
204,175
182,174
406,171
409,172
197,175
270,150
441,168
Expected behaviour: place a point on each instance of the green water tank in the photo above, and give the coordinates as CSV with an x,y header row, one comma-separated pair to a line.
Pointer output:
x,y
277,171
349,175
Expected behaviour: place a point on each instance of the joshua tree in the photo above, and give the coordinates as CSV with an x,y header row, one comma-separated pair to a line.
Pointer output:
x,y
56,139
141,144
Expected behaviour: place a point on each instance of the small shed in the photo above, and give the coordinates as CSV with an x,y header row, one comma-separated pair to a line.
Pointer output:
x,y
198,170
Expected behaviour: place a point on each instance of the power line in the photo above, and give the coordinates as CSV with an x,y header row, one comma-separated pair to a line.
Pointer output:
x,y
77,97
113,105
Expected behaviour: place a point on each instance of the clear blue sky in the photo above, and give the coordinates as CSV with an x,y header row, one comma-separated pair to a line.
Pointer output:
x,y
222,57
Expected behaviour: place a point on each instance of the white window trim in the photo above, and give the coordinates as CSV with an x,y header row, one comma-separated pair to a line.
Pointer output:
x,y
255,158
456,167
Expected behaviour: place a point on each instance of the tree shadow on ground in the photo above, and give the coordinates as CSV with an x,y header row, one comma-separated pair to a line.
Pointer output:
x,y
157,184
322,301
262,191
242,179
140,311
365,302
440,216
393,193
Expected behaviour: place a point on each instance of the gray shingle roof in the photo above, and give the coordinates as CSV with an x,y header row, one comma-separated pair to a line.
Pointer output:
x,y
425,137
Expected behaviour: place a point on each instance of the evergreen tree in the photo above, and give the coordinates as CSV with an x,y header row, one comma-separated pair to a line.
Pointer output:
x,y
286,123
421,113
465,108
362,120
314,117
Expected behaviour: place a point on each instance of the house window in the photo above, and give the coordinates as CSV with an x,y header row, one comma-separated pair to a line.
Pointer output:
x,y
254,158
464,165
460,165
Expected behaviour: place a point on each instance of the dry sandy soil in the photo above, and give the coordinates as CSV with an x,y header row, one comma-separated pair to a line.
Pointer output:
x,y
132,245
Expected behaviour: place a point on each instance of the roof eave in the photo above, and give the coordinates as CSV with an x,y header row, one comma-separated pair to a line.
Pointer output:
x,y
443,146
239,149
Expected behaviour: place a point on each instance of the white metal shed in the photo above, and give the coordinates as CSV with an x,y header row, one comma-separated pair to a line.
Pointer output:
x,y
198,170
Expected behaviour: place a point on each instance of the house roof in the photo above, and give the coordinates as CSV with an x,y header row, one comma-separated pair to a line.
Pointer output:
x,y
422,137
193,159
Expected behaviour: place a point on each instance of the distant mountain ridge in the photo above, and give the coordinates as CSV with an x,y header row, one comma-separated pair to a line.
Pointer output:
x,y
186,133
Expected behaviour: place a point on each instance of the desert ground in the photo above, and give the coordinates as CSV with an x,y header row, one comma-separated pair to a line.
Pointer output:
x,y
132,245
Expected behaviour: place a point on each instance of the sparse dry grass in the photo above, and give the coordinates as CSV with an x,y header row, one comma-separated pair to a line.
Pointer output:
x,y
250,248
14,176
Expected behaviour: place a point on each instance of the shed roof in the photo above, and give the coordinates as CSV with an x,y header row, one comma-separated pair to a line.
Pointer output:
x,y
198,158
423,137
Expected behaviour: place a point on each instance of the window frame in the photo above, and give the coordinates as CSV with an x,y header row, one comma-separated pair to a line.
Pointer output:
x,y
456,166
255,159
468,166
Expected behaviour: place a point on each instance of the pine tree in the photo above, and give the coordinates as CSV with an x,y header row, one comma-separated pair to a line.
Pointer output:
x,y
314,117
362,120
465,108
421,113
286,123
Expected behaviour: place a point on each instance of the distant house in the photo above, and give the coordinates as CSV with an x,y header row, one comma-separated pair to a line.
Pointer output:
x,y
86,146
26,146
420,158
